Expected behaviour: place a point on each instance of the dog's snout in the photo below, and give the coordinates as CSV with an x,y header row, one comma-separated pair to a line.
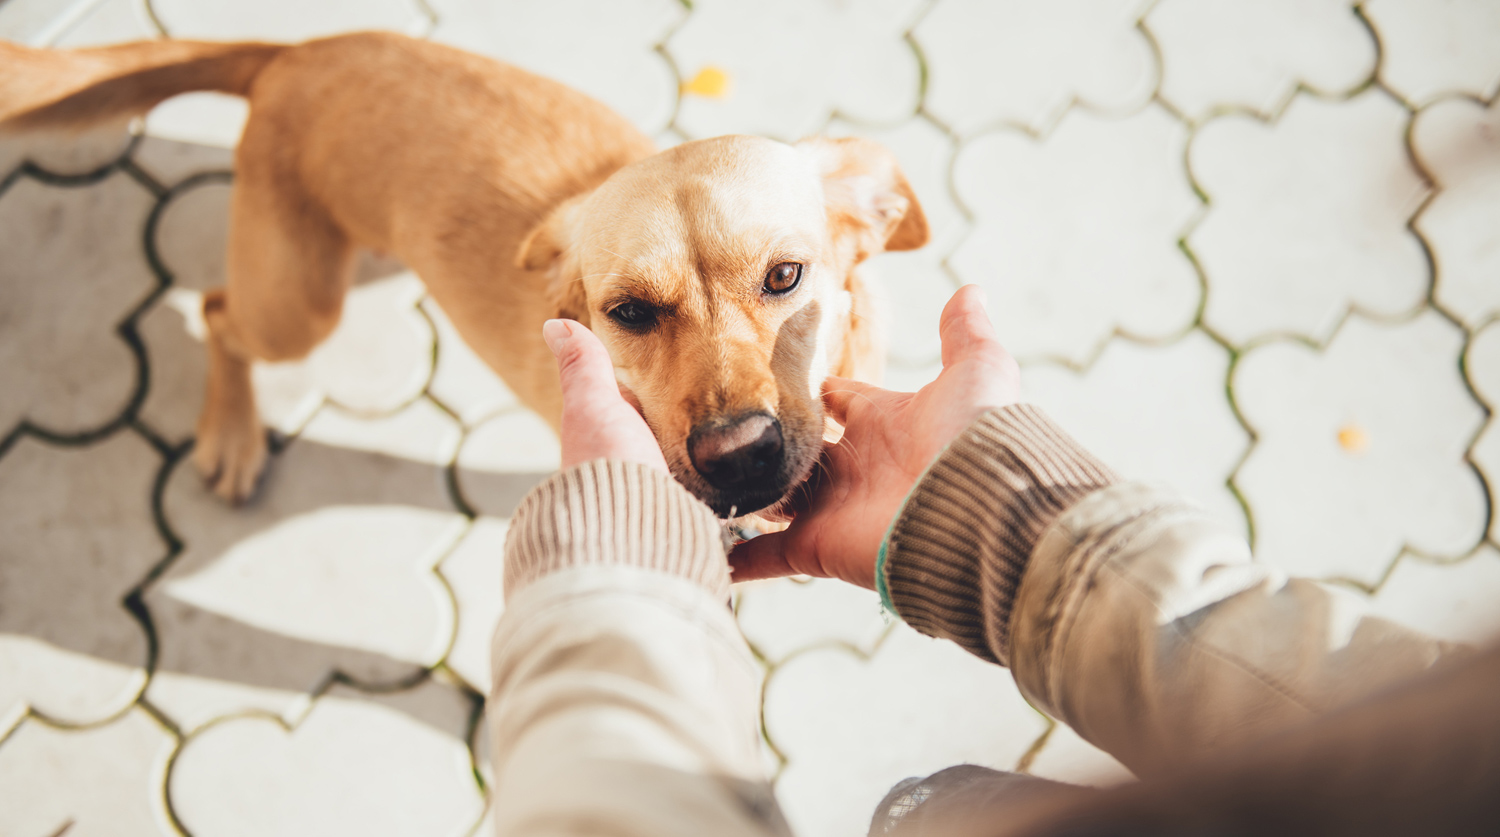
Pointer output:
x,y
744,454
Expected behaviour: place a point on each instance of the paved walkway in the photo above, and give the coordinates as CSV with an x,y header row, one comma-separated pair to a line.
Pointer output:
x,y
1248,248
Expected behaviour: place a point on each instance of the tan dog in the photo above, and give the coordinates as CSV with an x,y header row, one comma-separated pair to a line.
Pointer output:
x,y
720,273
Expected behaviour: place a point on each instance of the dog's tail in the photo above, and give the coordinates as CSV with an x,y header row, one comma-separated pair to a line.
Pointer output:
x,y
47,88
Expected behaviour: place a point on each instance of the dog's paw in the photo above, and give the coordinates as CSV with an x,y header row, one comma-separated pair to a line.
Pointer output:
x,y
231,457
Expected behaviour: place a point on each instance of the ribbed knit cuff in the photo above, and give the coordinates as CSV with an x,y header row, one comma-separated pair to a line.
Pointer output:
x,y
954,557
611,512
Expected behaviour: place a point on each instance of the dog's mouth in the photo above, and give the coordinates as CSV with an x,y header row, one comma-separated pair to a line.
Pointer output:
x,y
741,464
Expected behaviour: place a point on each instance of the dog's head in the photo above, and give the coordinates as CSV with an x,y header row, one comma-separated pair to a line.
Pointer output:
x,y
720,275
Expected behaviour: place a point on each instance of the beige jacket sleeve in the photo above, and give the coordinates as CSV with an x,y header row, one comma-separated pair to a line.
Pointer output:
x,y
624,700
1122,609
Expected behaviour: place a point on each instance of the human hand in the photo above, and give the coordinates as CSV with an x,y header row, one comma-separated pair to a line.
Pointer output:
x,y
890,438
597,422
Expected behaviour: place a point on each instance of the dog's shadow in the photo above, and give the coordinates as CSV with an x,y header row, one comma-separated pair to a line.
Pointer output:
x,y
331,574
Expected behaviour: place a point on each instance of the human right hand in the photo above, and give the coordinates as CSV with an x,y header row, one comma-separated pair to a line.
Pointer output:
x,y
890,438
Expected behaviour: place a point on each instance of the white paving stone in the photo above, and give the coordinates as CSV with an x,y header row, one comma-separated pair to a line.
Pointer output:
x,y
1227,53
791,64
1484,374
420,432
285,20
1153,413
782,616
33,22
106,781
913,286
1458,143
613,58
171,162
1066,757
380,356
172,331
192,232
1307,217
501,460
72,272
108,22
476,572
1024,63
1360,449
1076,237
1459,601
329,567
65,153
1433,47
77,535
351,766
461,381
212,119
852,729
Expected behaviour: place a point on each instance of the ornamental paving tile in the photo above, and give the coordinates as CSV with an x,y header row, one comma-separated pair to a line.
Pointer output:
x,y
328,569
76,538
104,781
782,616
1454,601
756,74
1331,183
1343,475
475,572
287,20
1457,142
72,274
833,778
1076,236
1166,417
1484,375
1219,54
352,765
108,22
1021,63
1436,48
611,59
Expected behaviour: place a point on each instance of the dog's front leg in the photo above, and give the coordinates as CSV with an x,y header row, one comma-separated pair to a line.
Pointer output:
x,y
230,451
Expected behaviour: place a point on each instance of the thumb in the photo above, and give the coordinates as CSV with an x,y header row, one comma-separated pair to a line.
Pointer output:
x,y
583,364
839,393
966,330
597,423
763,556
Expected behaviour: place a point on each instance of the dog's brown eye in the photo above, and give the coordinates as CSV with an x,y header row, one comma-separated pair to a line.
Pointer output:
x,y
782,278
633,315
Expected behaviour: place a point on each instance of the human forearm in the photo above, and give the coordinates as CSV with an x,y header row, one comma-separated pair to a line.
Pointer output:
x,y
624,699
1123,609
953,561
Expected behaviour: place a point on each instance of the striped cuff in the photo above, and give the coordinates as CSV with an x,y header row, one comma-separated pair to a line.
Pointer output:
x,y
955,555
612,512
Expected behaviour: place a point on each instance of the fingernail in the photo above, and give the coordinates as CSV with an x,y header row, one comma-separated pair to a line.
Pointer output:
x,y
984,300
556,333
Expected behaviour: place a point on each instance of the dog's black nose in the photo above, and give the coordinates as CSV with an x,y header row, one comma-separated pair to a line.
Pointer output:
x,y
741,455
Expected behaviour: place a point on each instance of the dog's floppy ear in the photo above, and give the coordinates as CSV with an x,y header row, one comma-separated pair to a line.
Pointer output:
x,y
548,248
867,193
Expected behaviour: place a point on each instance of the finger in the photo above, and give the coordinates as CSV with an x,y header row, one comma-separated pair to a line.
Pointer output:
x,y
839,393
588,375
761,557
597,422
965,328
